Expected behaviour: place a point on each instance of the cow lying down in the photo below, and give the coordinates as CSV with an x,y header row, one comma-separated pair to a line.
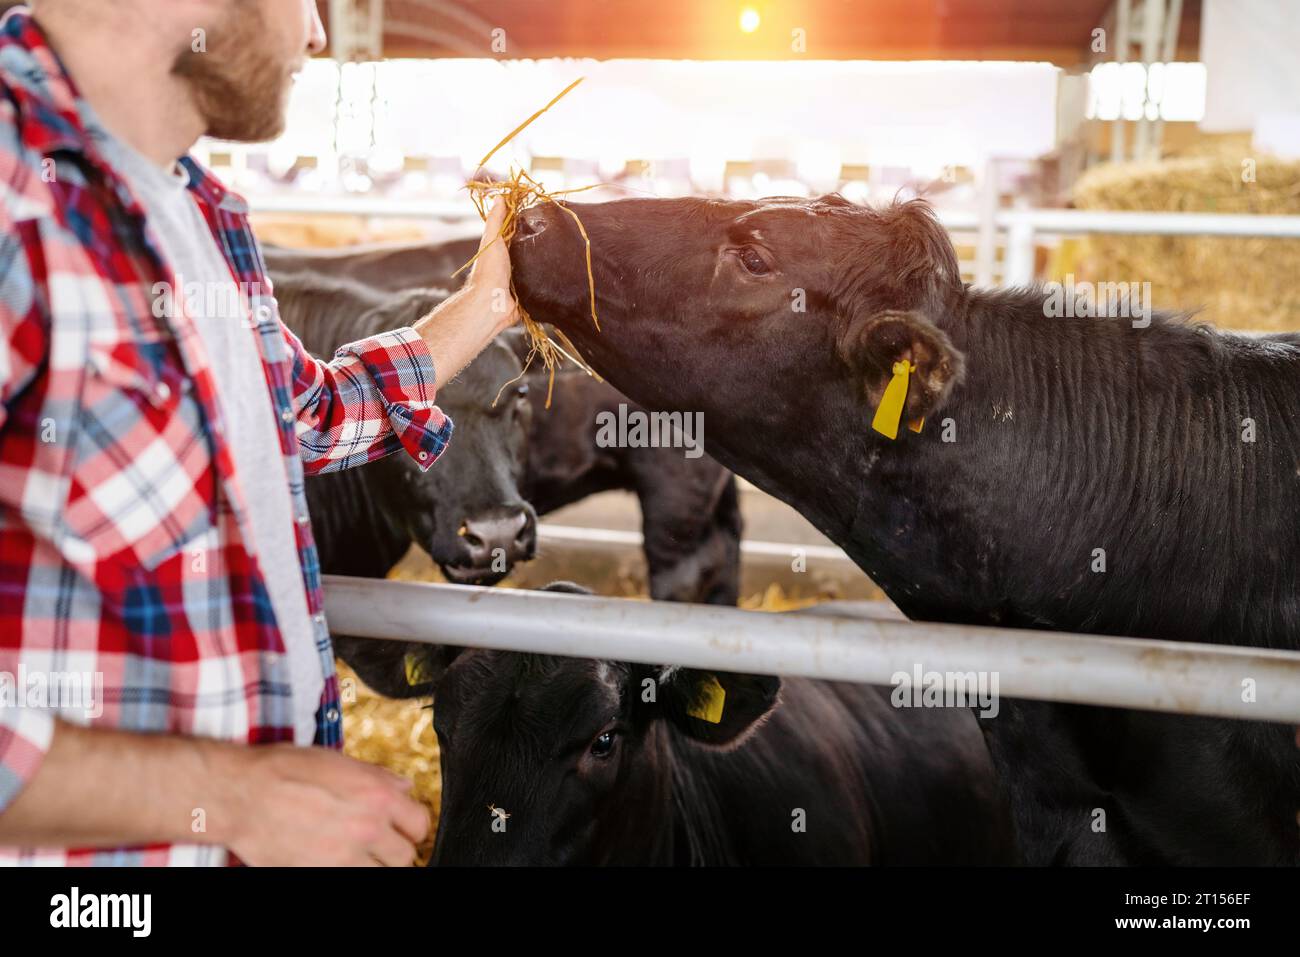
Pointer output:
x,y
549,760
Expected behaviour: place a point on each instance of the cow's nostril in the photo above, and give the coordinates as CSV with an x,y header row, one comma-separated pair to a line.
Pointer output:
x,y
526,537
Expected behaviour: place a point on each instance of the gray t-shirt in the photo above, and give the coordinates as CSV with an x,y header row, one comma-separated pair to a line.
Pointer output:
x,y
205,282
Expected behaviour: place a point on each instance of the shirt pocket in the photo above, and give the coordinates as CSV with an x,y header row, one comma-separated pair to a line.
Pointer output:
x,y
140,465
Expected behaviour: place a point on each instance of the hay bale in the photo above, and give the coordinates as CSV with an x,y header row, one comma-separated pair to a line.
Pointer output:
x,y
1236,283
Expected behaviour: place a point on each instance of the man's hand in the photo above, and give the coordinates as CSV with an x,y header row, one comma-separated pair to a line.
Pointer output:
x,y
292,805
462,326
489,277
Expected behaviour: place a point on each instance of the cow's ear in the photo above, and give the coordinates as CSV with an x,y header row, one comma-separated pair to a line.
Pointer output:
x,y
396,669
876,346
716,707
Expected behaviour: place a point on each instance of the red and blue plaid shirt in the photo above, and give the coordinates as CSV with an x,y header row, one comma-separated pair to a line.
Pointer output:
x,y
129,597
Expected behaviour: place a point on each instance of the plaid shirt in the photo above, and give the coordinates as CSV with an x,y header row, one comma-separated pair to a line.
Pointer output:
x,y
124,556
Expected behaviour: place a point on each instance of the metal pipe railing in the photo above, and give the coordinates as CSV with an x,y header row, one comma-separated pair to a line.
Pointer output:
x,y
1185,678
1130,222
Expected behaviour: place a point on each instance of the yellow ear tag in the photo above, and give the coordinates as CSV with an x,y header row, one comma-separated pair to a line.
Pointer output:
x,y
709,701
916,425
890,411
417,670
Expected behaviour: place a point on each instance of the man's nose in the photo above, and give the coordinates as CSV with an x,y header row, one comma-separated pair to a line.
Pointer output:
x,y
317,40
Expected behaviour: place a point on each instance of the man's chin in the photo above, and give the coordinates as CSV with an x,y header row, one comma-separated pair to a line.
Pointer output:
x,y
243,115
253,127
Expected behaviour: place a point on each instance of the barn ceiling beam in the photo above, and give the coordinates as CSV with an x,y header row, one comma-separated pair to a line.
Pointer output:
x,y
448,10
440,40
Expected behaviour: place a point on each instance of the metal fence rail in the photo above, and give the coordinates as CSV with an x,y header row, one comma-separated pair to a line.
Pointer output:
x,y
1177,677
1024,226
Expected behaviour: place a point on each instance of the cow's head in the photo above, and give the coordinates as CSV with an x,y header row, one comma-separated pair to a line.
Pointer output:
x,y
722,307
467,511
577,752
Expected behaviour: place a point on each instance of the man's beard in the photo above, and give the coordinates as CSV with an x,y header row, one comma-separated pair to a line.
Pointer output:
x,y
237,86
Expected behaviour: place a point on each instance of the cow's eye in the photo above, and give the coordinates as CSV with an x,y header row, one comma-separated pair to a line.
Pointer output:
x,y
603,745
521,390
753,261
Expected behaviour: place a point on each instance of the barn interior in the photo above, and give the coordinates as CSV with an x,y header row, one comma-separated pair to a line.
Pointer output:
x,y
1052,136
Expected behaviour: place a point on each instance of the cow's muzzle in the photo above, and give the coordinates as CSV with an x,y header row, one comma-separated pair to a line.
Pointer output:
x,y
491,543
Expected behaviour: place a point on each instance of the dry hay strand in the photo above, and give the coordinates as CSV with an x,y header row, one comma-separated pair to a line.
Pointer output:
x,y
1243,283
519,192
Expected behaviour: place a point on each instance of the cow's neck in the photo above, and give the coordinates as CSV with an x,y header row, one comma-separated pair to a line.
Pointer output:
x,y
1090,459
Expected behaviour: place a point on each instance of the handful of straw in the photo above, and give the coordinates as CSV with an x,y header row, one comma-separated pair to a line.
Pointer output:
x,y
520,192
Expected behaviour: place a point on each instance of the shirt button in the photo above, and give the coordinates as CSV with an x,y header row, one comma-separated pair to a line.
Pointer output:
x,y
286,415
304,518
318,618
163,392
423,456
332,715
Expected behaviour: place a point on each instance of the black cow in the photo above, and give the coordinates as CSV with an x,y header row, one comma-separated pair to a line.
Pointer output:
x,y
690,507
394,267
467,512
1052,448
574,761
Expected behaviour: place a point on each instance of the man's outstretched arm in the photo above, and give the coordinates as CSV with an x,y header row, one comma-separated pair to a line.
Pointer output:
x,y
377,395
270,805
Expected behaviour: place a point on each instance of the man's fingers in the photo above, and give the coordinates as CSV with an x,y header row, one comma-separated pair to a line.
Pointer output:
x,y
410,819
393,850
492,225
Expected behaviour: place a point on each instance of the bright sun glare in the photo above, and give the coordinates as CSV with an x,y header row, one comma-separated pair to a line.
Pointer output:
x,y
749,20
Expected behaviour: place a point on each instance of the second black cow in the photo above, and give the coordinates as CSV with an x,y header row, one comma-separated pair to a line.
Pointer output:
x,y
690,507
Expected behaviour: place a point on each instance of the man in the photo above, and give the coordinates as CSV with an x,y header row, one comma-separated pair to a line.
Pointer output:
x,y
156,420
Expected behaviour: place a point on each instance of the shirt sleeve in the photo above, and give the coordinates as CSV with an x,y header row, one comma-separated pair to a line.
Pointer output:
x,y
375,397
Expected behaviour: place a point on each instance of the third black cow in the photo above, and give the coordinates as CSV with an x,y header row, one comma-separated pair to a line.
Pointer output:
x,y
570,761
